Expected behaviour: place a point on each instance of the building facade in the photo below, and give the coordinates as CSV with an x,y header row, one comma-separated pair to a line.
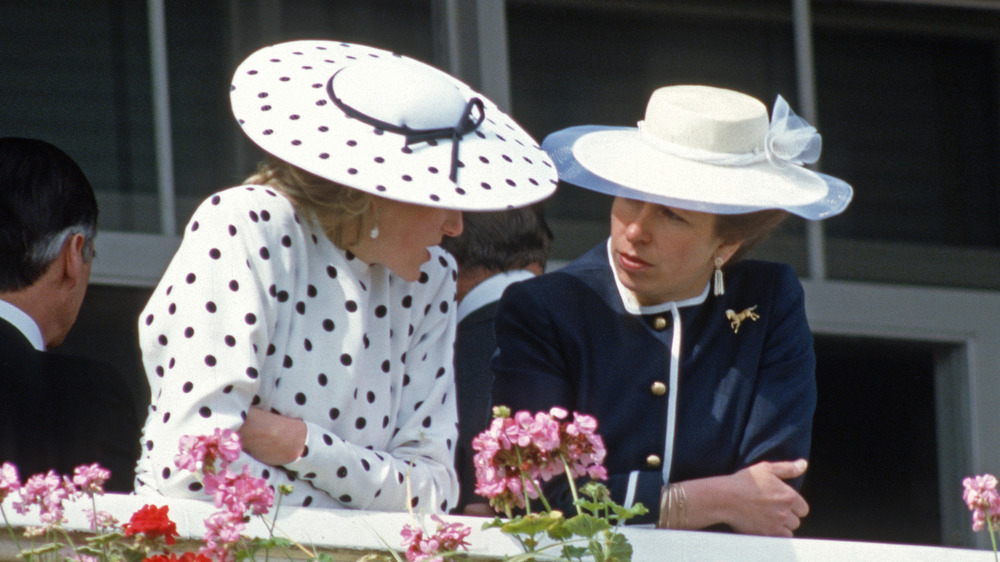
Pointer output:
x,y
903,290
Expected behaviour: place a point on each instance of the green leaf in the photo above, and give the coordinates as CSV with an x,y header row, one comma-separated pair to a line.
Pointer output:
x,y
134,555
617,548
104,538
571,552
90,551
590,506
533,523
586,525
596,490
497,523
560,532
624,514
45,548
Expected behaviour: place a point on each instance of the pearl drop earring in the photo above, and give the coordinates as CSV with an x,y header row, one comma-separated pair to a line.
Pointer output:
x,y
720,288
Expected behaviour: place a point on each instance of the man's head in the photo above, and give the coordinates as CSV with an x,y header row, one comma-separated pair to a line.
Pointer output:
x,y
499,241
48,220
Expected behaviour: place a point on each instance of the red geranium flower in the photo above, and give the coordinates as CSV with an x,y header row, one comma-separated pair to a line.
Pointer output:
x,y
153,522
186,557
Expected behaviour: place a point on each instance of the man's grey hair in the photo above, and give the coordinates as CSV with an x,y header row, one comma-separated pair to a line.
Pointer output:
x,y
48,248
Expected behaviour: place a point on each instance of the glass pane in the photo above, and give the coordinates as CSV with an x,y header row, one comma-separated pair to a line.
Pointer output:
x,y
915,126
76,74
205,137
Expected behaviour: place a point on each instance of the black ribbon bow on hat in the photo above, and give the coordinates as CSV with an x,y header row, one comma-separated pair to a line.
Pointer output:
x,y
468,122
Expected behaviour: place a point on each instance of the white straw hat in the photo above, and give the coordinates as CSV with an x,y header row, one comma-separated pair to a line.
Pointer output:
x,y
388,125
704,149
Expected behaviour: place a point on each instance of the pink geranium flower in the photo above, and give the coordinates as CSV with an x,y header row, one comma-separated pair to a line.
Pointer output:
x,y
199,453
514,454
222,531
237,494
100,519
9,480
240,493
48,492
981,496
90,479
427,548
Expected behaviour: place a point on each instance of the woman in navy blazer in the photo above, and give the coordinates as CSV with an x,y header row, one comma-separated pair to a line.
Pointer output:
x,y
698,365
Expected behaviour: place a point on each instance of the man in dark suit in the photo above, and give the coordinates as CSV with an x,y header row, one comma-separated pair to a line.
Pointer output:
x,y
494,250
56,411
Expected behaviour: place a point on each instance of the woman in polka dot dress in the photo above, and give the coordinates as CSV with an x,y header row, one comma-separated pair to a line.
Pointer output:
x,y
311,309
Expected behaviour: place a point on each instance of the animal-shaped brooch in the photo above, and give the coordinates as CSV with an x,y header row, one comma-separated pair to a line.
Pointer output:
x,y
737,318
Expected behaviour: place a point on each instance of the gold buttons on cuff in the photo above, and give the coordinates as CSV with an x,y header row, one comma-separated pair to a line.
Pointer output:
x,y
660,323
653,461
658,388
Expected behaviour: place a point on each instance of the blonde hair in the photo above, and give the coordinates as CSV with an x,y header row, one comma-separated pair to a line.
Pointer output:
x,y
340,211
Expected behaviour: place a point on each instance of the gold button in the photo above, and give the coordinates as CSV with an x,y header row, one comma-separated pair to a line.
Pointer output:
x,y
660,323
653,461
658,388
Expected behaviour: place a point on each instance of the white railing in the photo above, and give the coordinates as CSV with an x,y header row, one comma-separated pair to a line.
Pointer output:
x,y
347,535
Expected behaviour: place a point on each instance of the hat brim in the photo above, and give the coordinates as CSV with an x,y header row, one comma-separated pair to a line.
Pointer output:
x,y
617,162
279,98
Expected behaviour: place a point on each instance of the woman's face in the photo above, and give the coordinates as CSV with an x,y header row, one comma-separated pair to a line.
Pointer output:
x,y
661,253
405,231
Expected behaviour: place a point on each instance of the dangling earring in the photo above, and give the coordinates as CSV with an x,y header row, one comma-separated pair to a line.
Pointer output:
x,y
373,233
720,288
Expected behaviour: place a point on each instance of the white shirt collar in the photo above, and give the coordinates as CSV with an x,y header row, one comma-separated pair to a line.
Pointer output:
x,y
632,305
490,290
24,324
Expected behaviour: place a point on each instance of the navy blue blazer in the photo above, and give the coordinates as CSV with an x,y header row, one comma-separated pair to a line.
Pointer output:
x,y
474,346
60,411
566,339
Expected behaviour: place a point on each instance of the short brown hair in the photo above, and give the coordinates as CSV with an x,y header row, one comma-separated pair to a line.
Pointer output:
x,y
340,210
501,240
749,228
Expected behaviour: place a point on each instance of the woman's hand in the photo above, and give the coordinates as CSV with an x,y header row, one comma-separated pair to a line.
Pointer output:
x,y
755,500
765,504
272,438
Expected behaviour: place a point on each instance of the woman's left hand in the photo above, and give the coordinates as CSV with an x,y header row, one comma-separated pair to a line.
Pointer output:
x,y
272,438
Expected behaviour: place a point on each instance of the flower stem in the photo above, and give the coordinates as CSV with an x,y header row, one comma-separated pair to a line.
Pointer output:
x,y
98,529
10,530
572,483
993,538
524,485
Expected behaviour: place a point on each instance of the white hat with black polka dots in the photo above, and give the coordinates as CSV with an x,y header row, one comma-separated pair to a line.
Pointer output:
x,y
388,125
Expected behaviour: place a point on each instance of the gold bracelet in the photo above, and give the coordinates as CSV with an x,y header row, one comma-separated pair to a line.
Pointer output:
x,y
665,506
682,506
672,495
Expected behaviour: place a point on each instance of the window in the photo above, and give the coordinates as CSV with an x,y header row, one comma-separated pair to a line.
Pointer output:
x,y
907,100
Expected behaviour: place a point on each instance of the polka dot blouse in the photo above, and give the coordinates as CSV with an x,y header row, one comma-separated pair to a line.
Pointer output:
x,y
259,308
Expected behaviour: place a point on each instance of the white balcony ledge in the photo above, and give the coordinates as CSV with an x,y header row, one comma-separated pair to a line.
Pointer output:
x,y
347,535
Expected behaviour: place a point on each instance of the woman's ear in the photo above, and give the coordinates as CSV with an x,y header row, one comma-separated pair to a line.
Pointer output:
x,y
726,250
